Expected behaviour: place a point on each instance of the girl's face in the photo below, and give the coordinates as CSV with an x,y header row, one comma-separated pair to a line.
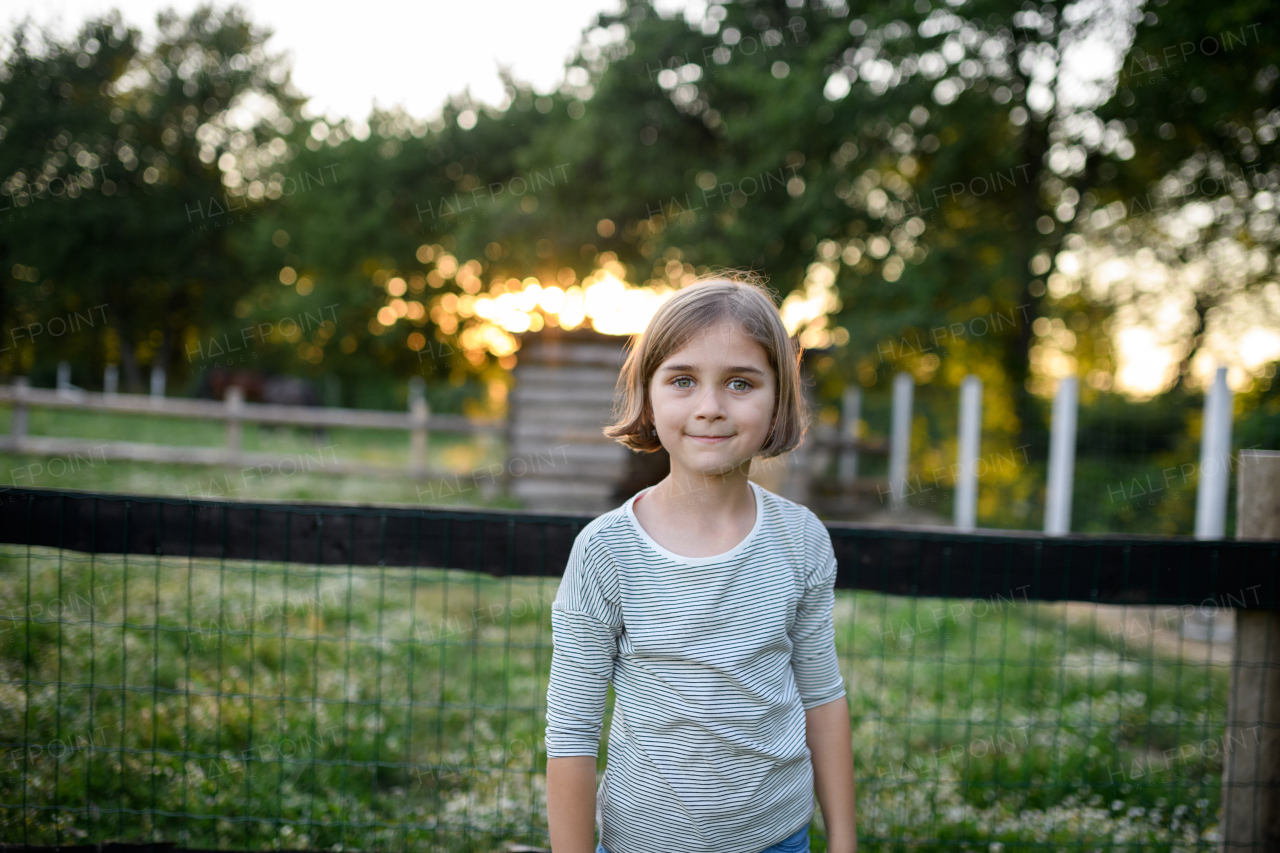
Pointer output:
x,y
712,401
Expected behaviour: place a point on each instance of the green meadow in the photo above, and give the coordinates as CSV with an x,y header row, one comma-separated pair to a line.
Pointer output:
x,y
260,706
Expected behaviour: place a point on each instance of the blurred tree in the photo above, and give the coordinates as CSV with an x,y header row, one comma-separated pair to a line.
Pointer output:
x,y
126,170
919,167
913,169
910,170
1197,94
415,212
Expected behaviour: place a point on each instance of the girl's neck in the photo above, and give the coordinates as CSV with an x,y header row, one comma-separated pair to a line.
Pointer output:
x,y
703,498
698,516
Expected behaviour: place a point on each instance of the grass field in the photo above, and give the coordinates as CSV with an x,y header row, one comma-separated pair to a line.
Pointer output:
x,y
256,706
242,706
299,473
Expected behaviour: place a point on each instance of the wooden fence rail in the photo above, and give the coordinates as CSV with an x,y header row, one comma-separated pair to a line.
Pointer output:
x,y
234,412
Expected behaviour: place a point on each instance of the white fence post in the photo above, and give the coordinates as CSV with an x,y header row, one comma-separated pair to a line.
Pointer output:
x,y
1062,458
419,413
850,413
18,422
157,381
64,376
900,440
111,380
1215,458
234,398
968,447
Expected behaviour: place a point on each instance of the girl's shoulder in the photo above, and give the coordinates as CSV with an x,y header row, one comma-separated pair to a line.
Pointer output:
x,y
604,527
597,542
810,542
591,573
796,516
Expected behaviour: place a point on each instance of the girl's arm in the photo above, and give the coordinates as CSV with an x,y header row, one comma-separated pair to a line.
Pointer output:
x,y
826,716
830,741
585,624
571,803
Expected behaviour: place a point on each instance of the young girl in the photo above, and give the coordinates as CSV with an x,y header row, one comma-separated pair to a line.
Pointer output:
x,y
706,600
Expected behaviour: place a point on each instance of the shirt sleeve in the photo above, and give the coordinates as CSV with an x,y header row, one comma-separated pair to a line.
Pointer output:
x,y
585,624
813,637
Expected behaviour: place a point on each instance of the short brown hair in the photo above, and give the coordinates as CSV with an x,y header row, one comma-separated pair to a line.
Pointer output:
x,y
736,296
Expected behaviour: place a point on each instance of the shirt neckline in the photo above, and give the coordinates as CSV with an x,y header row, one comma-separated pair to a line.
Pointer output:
x,y
746,541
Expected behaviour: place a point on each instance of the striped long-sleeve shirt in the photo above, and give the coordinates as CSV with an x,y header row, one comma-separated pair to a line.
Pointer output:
x,y
714,661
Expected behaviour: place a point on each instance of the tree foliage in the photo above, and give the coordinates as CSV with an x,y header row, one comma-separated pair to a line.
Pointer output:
x,y
125,170
908,176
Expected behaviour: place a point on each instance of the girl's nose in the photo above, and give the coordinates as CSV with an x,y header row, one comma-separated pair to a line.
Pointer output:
x,y
710,405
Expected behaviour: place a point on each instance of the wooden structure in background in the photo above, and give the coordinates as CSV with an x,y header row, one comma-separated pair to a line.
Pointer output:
x,y
558,458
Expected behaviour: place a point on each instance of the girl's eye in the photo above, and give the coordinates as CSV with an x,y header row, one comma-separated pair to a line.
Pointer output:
x,y
681,381
739,384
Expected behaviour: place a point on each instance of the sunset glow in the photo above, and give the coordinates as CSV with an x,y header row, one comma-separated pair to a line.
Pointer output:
x,y
489,316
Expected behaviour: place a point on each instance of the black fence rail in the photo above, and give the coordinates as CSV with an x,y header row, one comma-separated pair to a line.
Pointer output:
x,y
218,675
914,560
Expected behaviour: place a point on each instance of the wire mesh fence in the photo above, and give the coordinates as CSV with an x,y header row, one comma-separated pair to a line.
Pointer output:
x,y
264,676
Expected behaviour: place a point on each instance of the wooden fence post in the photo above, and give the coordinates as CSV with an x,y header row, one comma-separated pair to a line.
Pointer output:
x,y
18,425
419,413
1251,746
235,407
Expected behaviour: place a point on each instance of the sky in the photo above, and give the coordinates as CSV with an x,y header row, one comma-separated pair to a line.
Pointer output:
x,y
346,56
